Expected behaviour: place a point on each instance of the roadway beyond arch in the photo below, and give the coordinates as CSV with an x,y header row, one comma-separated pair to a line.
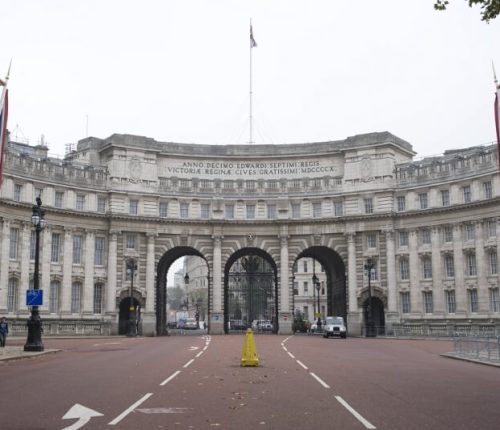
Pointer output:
x,y
335,270
161,284
255,298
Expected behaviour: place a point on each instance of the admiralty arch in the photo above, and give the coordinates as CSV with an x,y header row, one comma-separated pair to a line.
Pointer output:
x,y
411,240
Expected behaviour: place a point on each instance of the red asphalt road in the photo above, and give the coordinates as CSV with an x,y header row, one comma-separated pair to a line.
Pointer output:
x,y
357,384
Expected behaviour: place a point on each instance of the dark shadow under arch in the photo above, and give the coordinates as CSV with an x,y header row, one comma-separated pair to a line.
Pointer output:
x,y
161,284
250,251
336,286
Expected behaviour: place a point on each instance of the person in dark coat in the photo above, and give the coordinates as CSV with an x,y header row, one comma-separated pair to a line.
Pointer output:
x,y
4,331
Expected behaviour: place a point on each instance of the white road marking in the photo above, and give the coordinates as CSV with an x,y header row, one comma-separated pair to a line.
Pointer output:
x,y
163,410
107,343
197,355
302,364
172,376
82,413
319,380
291,355
358,416
188,363
284,347
193,348
130,409
204,349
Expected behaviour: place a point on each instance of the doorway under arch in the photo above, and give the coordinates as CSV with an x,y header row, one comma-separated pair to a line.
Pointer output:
x,y
161,284
336,288
250,292
377,314
124,315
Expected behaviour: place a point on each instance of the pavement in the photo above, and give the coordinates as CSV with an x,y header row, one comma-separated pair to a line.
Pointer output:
x,y
16,352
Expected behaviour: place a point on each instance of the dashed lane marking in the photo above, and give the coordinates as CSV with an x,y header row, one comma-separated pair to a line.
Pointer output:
x,y
130,409
197,355
291,355
172,376
302,364
319,380
356,414
188,363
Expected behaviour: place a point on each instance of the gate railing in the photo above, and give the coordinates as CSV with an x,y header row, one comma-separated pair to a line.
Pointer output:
x,y
485,349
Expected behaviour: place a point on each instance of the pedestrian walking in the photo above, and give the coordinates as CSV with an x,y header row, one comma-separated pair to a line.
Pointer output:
x,y
4,331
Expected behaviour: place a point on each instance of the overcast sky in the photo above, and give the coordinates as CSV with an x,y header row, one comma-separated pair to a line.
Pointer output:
x,y
178,70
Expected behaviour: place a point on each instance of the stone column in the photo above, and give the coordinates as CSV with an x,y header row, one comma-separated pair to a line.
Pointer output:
x,y
67,272
45,256
217,320
392,315
482,270
111,270
25,241
4,265
149,316
415,290
285,319
459,263
88,285
354,316
437,274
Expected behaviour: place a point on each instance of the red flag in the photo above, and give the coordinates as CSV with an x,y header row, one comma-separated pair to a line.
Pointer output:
x,y
4,110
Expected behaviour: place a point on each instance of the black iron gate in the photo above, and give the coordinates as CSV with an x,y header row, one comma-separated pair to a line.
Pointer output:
x,y
251,300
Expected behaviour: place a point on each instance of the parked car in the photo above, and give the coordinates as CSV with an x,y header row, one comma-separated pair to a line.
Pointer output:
x,y
237,325
190,324
264,325
334,326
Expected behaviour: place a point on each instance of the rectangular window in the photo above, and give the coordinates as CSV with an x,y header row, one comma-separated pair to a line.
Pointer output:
x,y
163,210
494,300
306,287
80,202
54,297
404,269
448,234
403,238
451,304
250,185
405,303
32,244
205,210
427,267
133,207
14,241
445,197
471,265
227,185
99,251
76,294
493,263
12,295
130,241
449,264
184,210
470,231
271,212
77,249
101,205
229,211
17,192
295,210
371,240
487,190
98,298
368,206
428,304
473,300
467,194
422,198
305,266
55,249
491,228
250,211
317,210
338,208
58,199
425,236
401,203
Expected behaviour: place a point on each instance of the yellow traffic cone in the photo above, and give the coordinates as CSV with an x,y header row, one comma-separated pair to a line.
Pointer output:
x,y
249,354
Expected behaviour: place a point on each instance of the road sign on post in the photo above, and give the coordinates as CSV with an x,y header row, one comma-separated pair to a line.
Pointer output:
x,y
34,297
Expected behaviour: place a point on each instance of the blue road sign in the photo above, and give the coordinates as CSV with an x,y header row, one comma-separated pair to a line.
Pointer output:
x,y
34,297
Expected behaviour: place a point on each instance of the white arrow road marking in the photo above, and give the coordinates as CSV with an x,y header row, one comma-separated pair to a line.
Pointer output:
x,y
81,413
193,348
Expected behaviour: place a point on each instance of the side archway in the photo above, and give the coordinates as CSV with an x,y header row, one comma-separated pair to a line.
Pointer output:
x,y
161,284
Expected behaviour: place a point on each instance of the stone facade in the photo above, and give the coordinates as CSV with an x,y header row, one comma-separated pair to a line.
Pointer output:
x,y
430,227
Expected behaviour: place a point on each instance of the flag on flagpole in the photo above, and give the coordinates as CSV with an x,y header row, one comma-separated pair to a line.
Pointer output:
x,y
497,120
4,110
253,43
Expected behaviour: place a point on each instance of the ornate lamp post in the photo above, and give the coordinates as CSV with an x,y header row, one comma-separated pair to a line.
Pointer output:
x,y
370,323
316,287
132,318
34,341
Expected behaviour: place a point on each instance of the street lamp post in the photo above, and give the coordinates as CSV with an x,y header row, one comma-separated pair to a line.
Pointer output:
x,y
132,318
316,287
370,323
34,341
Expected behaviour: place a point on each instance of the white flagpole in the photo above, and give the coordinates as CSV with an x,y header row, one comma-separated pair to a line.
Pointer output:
x,y
253,44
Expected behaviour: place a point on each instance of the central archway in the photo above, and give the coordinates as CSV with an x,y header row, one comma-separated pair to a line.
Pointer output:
x,y
161,284
250,292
